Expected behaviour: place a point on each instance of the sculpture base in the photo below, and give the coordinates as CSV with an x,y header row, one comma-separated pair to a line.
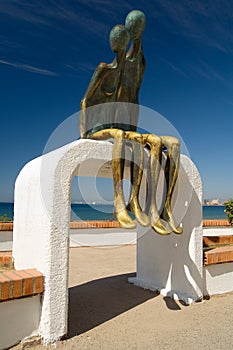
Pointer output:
x,y
176,295
41,229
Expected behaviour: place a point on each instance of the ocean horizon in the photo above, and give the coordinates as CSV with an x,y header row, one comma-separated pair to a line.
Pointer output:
x,y
83,212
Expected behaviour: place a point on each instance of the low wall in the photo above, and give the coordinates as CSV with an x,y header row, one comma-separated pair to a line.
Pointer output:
x,y
6,241
98,233
20,302
218,278
19,319
217,231
218,261
87,237
101,237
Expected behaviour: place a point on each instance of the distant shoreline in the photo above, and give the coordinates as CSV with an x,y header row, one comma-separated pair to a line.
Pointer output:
x,y
100,224
105,212
213,205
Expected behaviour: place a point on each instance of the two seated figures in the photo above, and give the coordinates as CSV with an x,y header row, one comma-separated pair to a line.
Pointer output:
x,y
114,87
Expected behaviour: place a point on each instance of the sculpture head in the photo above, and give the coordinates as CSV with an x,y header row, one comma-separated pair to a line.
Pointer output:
x,y
119,38
135,23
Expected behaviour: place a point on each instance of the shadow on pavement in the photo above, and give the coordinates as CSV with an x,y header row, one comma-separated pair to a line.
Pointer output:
x,y
171,304
98,301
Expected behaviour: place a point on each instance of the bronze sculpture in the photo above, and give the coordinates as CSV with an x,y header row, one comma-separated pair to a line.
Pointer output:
x,y
120,81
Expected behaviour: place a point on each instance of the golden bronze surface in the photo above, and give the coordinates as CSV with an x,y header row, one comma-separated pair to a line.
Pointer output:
x,y
120,81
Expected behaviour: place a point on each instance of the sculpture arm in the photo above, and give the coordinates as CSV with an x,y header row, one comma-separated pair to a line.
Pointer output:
x,y
86,101
94,83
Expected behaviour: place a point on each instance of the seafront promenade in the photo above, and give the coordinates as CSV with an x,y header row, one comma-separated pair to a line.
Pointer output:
x,y
106,312
107,233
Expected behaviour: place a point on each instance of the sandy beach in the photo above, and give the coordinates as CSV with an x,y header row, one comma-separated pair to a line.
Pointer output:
x,y
106,312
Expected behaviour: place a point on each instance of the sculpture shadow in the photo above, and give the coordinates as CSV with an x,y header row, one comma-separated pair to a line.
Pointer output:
x,y
173,263
98,301
171,304
184,270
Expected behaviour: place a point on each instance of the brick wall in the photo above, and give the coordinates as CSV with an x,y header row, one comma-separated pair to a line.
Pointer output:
x,y
8,226
17,284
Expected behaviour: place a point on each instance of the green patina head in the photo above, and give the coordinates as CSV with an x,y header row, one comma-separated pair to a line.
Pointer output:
x,y
135,23
119,38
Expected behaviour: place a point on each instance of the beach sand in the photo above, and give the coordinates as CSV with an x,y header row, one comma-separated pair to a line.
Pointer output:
x,y
106,312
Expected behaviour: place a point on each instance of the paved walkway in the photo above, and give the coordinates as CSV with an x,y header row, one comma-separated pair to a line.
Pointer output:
x,y
106,312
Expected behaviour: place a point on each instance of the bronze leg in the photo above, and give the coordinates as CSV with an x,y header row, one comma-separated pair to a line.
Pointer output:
x,y
136,176
117,170
171,173
155,144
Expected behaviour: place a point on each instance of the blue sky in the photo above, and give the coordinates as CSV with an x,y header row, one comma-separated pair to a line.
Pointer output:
x,y
49,50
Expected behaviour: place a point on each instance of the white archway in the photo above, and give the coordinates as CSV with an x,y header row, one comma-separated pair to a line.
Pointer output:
x,y
41,230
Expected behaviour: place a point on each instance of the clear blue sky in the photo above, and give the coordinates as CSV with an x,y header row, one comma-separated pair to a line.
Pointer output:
x,y
49,50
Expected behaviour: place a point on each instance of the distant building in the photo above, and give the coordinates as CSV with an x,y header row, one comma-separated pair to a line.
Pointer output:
x,y
211,202
215,202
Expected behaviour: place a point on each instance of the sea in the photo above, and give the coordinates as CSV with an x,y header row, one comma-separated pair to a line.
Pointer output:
x,y
82,212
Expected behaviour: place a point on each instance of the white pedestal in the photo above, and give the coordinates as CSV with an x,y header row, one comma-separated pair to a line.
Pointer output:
x,y
172,264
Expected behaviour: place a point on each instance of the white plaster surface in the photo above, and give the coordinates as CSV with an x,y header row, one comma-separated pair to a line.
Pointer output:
x,y
6,238
41,223
218,278
173,264
102,237
88,237
19,319
41,229
217,231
